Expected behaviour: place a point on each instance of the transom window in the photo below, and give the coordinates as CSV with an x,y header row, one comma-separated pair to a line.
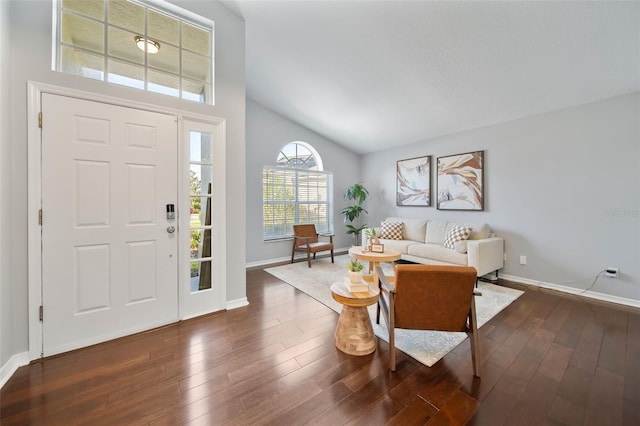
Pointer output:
x,y
149,45
297,190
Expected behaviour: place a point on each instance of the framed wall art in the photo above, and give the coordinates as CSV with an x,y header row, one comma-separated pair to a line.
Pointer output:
x,y
413,182
460,182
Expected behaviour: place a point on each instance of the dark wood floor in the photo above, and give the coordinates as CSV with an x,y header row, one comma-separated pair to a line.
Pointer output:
x,y
547,359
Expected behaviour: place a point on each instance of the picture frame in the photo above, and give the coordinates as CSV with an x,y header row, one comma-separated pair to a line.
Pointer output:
x,y
461,182
413,182
377,248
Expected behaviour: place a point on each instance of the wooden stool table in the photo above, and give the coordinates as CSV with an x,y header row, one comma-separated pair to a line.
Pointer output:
x,y
354,333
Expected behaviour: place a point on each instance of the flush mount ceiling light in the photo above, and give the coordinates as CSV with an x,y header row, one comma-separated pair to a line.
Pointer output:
x,y
151,46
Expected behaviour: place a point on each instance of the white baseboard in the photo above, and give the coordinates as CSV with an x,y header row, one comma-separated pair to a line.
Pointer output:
x,y
270,262
572,290
237,303
10,367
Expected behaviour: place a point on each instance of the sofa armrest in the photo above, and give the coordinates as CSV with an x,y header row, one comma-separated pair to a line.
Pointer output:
x,y
486,255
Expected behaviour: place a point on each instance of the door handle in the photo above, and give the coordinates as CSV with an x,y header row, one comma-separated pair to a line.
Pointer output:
x,y
171,229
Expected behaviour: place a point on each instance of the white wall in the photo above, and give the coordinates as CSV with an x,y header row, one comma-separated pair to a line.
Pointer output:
x,y
31,41
562,188
6,333
267,133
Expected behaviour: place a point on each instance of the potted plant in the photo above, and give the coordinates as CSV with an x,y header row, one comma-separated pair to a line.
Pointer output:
x,y
372,237
355,271
358,194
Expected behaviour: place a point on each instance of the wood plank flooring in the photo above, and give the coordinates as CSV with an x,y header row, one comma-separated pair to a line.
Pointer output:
x,y
547,359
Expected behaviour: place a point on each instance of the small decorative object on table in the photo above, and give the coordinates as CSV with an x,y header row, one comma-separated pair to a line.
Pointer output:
x,y
377,248
359,287
355,271
372,238
355,283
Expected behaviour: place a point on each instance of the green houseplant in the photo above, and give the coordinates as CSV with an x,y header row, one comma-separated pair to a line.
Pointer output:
x,y
355,271
358,194
355,266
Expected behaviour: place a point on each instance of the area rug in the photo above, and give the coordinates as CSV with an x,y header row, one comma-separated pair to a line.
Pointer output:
x,y
425,346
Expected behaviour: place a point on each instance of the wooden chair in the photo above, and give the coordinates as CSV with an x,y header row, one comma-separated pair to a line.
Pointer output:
x,y
430,297
305,238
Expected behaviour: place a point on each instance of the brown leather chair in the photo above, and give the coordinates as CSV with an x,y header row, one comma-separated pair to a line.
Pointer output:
x,y
305,238
430,297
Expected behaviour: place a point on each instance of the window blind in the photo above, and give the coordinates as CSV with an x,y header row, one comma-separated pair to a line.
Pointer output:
x,y
292,196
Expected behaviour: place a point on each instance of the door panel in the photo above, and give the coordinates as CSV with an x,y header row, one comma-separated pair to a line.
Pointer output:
x,y
109,266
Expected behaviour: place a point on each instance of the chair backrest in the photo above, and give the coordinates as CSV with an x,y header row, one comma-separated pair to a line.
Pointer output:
x,y
306,230
433,297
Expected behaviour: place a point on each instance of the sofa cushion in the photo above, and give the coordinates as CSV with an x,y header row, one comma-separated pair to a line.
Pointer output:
x,y
457,233
392,230
436,231
437,252
460,246
415,229
401,245
478,230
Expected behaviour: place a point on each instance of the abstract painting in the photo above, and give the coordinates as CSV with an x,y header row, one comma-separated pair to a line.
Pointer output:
x,y
460,182
413,182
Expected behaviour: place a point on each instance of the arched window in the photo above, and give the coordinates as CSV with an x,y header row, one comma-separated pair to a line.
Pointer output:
x,y
296,190
299,155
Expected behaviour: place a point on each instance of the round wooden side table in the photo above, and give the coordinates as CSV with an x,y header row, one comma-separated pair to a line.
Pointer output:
x,y
354,333
374,259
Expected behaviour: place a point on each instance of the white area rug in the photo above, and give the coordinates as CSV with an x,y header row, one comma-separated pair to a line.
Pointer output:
x,y
425,346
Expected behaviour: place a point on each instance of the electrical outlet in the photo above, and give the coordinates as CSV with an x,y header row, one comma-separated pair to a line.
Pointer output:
x,y
523,260
611,272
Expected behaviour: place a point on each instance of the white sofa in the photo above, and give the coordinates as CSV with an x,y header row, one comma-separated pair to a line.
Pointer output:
x,y
423,242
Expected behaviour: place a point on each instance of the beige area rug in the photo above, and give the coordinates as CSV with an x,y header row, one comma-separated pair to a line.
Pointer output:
x,y
425,346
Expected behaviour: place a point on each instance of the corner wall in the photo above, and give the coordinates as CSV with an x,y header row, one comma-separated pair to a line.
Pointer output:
x,y
562,188
6,312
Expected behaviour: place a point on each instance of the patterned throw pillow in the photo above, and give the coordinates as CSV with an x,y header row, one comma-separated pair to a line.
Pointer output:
x,y
457,233
391,230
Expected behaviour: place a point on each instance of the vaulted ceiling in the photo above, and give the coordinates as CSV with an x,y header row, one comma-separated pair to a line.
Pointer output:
x,y
370,75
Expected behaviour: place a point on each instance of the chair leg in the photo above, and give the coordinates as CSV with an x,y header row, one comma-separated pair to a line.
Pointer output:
x,y
293,252
331,255
308,257
392,348
474,340
475,354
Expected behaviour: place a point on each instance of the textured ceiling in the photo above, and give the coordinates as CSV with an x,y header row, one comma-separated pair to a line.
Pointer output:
x,y
375,74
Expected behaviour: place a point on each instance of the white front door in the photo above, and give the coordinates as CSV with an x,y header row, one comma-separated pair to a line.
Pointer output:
x,y
109,258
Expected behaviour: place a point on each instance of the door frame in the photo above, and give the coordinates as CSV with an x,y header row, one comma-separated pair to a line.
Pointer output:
x,y
34,192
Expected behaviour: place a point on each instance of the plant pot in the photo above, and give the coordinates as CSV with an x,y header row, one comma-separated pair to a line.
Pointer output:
x,y
355,277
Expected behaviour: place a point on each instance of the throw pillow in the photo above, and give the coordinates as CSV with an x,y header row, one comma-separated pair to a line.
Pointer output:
x,y
457,233
391,230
